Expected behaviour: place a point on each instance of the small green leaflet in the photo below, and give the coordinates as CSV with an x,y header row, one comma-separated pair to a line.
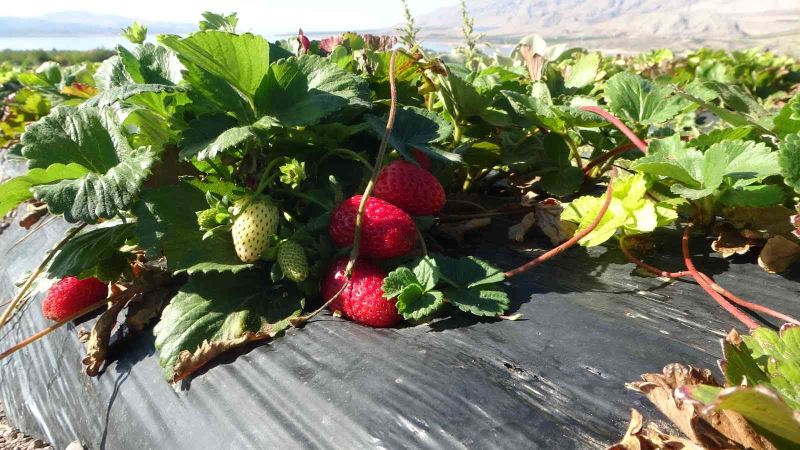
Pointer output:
x,y
584,71
472,287
630,211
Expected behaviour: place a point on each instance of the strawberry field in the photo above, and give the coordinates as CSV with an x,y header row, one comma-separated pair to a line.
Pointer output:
x,y
222,192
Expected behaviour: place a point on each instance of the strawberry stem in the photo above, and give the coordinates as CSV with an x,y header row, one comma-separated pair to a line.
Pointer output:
x,y
606,156
573,240
640,144
378,162
704,283
662,273
35,274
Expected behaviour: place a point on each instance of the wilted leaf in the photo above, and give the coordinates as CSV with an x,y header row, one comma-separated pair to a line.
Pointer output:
x,y
778,254
716,430
729,241
639,437
218,311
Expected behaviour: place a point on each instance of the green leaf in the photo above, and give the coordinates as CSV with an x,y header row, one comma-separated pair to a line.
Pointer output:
x,y
86,136
753,196
92,138
88,252
427,273
17,190
167,226
479,302
560,178
787,121
461,99
759,405
583,72
630,211
719,135
215,312
415,128
699,174
304,90
735,118
469,271
150,64
228,140
124,92
203,133
638,101
414,304
397,280
240,60
214,21
98,196
790,160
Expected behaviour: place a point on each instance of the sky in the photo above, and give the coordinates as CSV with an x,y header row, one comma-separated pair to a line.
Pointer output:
x,y
270,16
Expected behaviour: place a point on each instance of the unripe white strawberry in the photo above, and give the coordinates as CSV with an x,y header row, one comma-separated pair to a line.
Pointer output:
x,y
253,227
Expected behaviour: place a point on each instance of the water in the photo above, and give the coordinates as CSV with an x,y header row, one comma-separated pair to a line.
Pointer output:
x,y
92,42
61,42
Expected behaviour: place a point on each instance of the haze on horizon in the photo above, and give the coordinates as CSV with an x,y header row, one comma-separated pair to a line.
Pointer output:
x,y
265,16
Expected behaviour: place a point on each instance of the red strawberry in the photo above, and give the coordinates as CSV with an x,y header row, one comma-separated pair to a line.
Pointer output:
x,y
387,231
410,187
70,295
362,300
422,158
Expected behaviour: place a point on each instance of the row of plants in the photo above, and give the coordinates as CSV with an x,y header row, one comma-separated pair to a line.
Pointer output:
x,y
226,188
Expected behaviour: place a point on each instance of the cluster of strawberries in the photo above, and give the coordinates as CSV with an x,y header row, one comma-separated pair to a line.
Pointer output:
x,y
402,189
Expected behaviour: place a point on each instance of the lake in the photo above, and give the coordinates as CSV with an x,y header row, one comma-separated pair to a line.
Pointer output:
x,y
92,42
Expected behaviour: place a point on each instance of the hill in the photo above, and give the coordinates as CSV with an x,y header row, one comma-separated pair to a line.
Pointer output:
x,y
629,24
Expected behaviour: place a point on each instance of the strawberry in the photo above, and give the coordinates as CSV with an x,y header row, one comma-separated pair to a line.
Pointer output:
x,y
70,295
253,227
386,232
362,300
292,261
422,158
411,188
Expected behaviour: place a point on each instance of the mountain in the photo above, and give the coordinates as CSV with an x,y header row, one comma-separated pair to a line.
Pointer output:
x,y
69,23
628,24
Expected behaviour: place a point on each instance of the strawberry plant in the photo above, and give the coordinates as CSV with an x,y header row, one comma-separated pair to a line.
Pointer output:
x,y
260,183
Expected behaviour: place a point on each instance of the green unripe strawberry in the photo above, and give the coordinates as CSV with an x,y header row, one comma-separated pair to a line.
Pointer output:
x,y
253,227
207,219
293,262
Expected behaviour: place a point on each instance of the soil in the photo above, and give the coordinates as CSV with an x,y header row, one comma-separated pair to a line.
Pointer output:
x,y
13,439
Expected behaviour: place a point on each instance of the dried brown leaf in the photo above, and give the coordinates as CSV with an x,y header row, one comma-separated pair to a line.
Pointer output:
x,y
98,342
714,430
778,254
147,308
458,230
639,437
761,223
34,212
548,218
517,232
730,241
188,362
